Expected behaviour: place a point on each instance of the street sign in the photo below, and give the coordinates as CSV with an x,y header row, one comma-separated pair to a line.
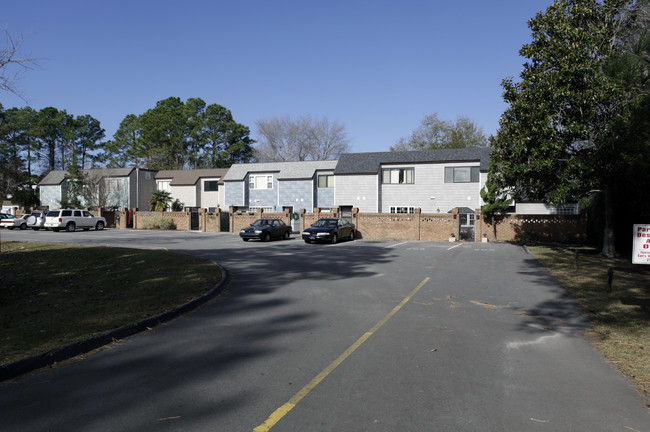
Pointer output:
x,y
641,252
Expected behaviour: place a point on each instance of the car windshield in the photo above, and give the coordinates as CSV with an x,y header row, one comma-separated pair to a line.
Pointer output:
x,y
325,223
261,222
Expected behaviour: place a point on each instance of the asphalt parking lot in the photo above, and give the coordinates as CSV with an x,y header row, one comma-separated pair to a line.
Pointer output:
x,y
354,336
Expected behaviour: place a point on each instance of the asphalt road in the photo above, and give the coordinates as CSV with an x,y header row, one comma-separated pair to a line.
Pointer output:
x,y
356,336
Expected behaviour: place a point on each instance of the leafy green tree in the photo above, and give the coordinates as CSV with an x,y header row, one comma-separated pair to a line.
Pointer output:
x,y
18,150
53,131
226,141
556,140
496,204
434,133
160,201
88,135
176,135
126,148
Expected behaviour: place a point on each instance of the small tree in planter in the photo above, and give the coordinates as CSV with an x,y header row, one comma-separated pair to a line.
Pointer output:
x,y
496,204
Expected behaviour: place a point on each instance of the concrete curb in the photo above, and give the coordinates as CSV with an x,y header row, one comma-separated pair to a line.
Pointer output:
x,y
65,352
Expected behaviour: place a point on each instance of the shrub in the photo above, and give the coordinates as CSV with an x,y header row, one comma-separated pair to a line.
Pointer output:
x,y
159,222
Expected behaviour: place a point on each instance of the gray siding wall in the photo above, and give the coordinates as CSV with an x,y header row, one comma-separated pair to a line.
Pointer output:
x,y
119,197
296,193
430,192
358,191
263,197
235,193
324,197
51,196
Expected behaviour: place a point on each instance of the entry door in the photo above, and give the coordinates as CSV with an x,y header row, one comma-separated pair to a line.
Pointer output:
x,y
466,226
346,213
194,220
295,218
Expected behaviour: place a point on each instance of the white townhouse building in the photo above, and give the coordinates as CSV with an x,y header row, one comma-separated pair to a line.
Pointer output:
x,y
398,182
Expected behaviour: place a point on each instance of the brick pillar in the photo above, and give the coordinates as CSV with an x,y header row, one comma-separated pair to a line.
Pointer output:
x,y
418,216
302,219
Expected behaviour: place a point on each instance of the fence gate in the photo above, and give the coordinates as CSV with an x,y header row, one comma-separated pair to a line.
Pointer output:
x,y
225,221
295,218
194,219
466,224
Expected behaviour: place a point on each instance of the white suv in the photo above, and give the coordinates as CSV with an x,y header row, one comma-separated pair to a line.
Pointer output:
x,y
71,219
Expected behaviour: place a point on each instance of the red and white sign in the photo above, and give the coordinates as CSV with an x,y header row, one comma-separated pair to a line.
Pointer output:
x,y
641,252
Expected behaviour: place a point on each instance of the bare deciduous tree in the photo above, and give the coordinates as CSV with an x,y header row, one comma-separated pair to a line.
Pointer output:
x,y
284,139
12,65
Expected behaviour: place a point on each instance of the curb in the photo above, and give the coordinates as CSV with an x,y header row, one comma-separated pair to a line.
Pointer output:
x,y
65,352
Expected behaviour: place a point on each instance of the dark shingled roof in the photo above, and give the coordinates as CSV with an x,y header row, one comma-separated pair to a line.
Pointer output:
x,y
369,163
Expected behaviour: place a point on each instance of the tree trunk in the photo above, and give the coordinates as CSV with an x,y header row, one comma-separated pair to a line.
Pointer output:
x,y
608,234
494,229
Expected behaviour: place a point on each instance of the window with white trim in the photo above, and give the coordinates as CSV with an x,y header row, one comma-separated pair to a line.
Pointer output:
x,y
264,209
260,182
164,185
398,175
326,181
210,186
462,174
398,209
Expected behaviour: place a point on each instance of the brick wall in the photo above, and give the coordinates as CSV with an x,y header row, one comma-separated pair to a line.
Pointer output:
x,y
210,222
181,219
244,219
549,228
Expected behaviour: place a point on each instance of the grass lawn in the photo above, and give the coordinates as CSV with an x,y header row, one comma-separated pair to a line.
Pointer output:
x,y
55,294
620,316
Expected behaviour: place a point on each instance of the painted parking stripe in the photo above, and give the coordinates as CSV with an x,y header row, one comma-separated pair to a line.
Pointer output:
x,y
397,244
278,414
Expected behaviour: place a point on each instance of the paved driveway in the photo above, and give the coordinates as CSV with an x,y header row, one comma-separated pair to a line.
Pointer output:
x,y
356,336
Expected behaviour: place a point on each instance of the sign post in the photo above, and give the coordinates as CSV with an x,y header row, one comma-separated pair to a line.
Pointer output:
x,y
641,252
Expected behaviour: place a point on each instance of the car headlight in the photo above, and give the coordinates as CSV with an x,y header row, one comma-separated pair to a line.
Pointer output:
x,y
305,233
258,231
242,231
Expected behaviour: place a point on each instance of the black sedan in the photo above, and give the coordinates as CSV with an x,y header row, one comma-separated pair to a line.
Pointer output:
x,y
265,230
330,230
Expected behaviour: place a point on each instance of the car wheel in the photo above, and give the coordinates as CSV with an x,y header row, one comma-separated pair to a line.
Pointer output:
x,y
99,226
70,227
334,238
307,241
267,237
351,235
23,226
286,235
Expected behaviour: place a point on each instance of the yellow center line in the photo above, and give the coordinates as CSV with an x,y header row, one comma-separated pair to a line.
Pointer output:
x,y
278,414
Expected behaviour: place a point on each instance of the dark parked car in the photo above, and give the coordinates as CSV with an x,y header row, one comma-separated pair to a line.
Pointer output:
x,y
265,230
330,230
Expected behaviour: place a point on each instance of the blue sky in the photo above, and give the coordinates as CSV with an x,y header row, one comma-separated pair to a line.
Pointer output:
x,y
377,66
